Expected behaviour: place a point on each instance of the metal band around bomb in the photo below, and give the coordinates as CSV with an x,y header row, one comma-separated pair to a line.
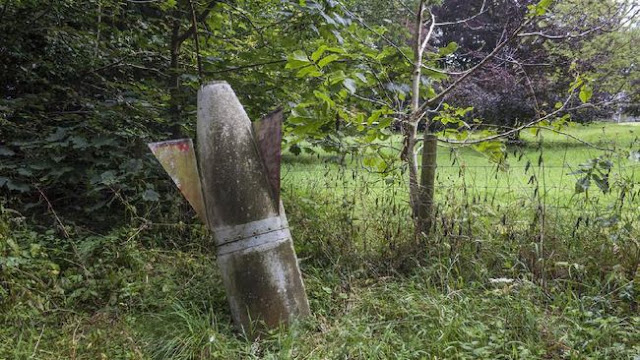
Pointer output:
x,y
271,231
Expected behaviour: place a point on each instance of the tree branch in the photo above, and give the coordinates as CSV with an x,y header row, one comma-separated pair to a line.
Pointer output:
x,y
568,35
425,42
530,124
199,18
572,137
462,21
243,67
366,26
448,89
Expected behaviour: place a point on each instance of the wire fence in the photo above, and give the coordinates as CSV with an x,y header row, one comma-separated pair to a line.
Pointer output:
x,y
561,186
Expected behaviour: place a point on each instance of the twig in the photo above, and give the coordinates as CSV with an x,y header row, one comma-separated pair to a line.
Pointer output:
x,y
449,88
563,108
568,35
456,22
144,226
200,18
50,207
195,39
572,137
98,26
243,67
442,71
35,348
64,231
386,39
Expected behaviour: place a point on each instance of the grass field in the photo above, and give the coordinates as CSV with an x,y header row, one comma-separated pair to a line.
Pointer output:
x,y
561,156
507,275
541,172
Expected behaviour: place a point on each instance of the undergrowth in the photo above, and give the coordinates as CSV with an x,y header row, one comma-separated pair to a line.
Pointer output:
x,y
521,279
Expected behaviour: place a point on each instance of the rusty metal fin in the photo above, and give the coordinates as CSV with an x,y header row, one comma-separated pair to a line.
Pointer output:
x,y
178,159
268,133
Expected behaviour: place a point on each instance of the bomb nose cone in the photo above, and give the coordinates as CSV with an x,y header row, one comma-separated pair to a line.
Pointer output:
x,y
235,186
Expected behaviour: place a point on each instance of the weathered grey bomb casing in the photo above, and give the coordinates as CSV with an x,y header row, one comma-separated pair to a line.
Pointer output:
x,y
255,251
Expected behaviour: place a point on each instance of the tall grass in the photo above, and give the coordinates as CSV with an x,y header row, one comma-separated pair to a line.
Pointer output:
x,y
518,266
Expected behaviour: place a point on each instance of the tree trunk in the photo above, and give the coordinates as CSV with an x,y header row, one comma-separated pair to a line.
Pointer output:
x,y
409,156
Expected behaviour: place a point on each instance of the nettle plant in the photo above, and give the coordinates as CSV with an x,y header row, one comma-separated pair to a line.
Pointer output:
x,y
367,83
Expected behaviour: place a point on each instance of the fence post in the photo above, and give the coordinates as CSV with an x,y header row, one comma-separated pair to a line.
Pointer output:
x,y
427,181
255,251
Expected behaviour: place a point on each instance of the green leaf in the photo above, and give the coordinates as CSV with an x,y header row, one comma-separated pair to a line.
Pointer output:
x,y
60,134
324,97
586,92
309,71
602,183
384,123
336,77
542,7
79,142
24,171
318,53
361,77
297,60
168,4
449,49
328,60
375,116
